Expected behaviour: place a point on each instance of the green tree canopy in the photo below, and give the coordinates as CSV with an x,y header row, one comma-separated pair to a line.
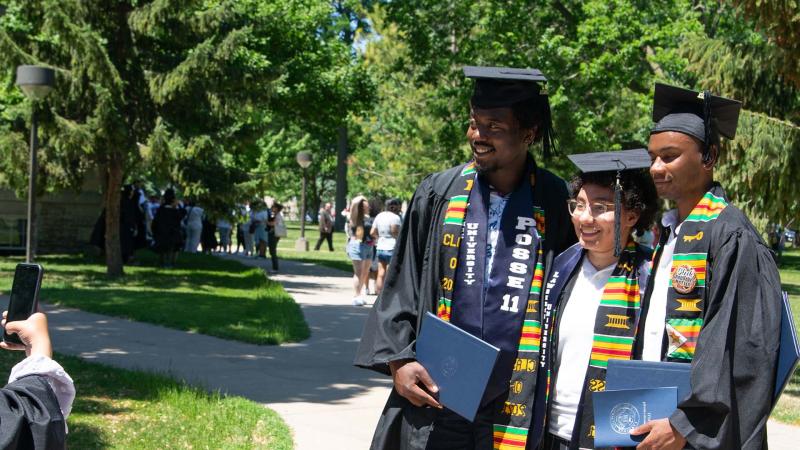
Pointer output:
x,y
191,92
601,59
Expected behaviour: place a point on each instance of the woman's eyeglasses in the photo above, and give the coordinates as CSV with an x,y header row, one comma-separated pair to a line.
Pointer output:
x,y
576,208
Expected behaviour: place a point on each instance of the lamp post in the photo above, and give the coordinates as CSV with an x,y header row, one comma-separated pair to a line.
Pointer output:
x,y
304,160
36,82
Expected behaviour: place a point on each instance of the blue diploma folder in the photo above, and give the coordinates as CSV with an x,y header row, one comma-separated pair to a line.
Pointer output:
x,y
616,413
788,352
459,363
625,374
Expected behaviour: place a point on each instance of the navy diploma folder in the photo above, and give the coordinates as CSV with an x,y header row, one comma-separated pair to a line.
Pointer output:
x,y
617,413
788,352
459,363
626,374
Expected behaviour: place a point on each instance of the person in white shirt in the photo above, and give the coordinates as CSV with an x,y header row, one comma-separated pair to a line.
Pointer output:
x,y
37,400
385,230
259,217
592,300
194,226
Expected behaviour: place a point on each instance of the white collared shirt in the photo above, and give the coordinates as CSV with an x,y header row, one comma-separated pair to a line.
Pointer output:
x,y
575,335
56,377
657,311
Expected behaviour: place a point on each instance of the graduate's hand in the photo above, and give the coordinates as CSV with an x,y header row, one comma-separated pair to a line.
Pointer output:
x,y
662,436
32,332
414,383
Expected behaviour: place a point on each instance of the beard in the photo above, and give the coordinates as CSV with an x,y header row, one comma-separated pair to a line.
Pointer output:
x,y
485,168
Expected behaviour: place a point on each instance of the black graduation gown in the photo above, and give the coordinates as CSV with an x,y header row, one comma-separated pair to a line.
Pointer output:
x,y
30,416
166,228
410,290
733,370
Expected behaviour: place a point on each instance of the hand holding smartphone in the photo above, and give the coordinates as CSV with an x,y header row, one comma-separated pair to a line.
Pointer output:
x,y
24,299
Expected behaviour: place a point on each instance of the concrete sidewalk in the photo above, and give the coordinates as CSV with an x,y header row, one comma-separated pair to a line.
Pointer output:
x,y
313,385
325,400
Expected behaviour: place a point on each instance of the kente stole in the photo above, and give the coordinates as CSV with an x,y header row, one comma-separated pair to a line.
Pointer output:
x,y
615,328
686,298
523,261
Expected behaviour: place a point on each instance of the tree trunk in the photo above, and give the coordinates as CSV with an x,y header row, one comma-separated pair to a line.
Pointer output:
x,y
341,179
112,201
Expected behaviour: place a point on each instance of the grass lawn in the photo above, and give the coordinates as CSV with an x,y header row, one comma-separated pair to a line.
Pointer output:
x,y
118,408
202,294
337,259
788,409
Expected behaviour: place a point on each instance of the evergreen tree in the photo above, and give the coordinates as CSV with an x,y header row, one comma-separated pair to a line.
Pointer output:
x,y
190,91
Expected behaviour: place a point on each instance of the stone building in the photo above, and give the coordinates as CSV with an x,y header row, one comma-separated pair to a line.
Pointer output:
x,y
64,220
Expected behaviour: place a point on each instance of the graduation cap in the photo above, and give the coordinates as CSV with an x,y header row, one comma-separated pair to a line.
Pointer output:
x,y
499,87
691,112
616,161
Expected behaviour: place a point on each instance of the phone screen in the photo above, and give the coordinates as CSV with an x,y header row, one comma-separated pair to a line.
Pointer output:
x,y
24,292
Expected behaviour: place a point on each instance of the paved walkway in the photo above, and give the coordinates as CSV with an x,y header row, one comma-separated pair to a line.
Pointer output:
x,y
325,400
313,385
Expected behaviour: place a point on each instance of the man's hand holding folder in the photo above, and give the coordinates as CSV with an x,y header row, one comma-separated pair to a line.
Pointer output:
x,y
414,383
662,436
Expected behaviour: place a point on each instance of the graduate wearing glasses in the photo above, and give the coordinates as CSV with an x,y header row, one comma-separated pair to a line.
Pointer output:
x,y
593,297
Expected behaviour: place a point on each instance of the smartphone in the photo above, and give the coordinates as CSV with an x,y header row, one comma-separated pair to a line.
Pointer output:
x,y
24,298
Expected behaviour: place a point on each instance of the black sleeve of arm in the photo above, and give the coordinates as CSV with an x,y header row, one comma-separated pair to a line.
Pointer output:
x,y
733,370
390,331
30,416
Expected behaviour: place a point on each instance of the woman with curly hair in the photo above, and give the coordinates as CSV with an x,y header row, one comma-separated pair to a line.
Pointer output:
x,y
592,304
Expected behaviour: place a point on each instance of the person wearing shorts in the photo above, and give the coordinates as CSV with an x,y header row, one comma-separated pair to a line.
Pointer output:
x,y
385,230
358,248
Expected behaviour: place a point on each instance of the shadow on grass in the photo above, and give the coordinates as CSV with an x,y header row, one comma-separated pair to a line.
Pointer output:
x,y
203,294
86,436
271,317
790,261
129,409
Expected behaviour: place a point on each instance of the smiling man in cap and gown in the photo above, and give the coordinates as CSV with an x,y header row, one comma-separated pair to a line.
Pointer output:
x,y
714,296
517,221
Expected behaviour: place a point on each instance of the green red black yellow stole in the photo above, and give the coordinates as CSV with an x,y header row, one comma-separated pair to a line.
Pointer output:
x,y
512,419
614,332
686,298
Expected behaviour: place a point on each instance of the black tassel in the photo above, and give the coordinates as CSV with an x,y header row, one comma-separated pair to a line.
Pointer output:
x,y
548,135
707,124
617,217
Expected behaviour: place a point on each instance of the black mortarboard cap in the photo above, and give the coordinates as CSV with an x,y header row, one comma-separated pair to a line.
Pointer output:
x,y
611,161
617,161
677,109
499,87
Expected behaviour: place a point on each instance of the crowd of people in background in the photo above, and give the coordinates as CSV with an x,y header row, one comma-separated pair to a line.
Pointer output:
x,y
169,225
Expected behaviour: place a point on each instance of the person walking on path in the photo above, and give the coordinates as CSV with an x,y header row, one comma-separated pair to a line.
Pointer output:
x,y
477,243
276,230
325,227
260,216
385,230
358,250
